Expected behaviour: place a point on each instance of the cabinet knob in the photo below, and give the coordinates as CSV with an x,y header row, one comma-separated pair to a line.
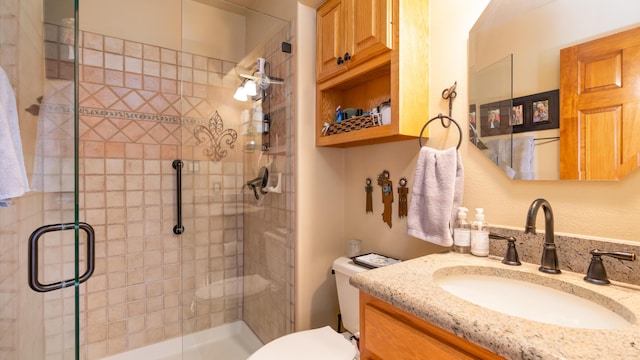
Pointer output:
x,y
339,60
347,56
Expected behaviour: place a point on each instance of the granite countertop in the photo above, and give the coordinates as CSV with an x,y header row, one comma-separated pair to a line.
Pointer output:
x,y
410,286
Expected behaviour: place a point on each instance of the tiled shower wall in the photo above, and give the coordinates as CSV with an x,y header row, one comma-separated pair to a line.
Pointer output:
x,y
139,106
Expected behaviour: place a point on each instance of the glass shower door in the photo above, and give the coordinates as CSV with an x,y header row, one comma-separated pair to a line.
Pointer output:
x,y
48,252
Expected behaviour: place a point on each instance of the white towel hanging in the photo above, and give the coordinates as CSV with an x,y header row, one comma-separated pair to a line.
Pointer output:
x,y
14,181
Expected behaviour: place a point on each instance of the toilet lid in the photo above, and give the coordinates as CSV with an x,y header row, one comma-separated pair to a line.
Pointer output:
x,y
317,344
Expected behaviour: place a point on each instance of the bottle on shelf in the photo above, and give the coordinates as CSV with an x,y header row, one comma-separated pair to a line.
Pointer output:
x,y
479,235
462,233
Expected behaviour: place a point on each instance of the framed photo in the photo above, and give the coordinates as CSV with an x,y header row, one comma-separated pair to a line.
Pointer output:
x,y
495,118
540,112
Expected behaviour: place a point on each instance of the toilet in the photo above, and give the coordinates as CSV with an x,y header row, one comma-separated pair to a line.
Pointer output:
x,y
322,343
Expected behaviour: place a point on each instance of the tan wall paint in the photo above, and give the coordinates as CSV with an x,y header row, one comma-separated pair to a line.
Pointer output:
x,y
319,192
107,18
209,32
594,209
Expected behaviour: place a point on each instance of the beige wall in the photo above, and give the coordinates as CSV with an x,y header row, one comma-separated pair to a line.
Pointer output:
x,y
166,27
331,181
319,189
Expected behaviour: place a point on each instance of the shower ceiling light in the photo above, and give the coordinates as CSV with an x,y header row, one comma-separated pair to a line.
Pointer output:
x,y
241,94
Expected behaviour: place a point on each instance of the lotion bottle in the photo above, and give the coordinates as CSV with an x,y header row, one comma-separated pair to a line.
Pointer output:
x,y
479,235
462,233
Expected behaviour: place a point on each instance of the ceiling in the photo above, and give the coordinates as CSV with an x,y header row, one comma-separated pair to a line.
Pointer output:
x,y
282,9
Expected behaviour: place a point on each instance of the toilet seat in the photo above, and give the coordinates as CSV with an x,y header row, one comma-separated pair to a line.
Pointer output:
x,y
317,344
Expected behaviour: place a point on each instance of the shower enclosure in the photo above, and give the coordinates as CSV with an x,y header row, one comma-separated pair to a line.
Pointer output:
x,y
126,107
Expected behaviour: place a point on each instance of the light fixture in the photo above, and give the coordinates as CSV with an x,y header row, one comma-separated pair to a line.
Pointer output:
x,y
241,94
250,88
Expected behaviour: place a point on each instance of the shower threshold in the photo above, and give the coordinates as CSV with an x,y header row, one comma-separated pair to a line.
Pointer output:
x,y
233,341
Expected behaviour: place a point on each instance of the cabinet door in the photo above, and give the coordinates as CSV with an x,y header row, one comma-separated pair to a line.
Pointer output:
x,y
331,39
368,28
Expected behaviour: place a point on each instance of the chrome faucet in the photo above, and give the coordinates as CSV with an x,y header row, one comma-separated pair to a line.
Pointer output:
x,y
549,261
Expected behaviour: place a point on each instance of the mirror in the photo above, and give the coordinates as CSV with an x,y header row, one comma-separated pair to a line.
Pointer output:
x,y
514,76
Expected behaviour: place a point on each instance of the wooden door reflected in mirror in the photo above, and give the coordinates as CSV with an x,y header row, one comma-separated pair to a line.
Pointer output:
x,y
600,107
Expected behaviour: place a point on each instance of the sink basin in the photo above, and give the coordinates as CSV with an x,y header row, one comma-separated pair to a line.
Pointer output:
x,y
524,298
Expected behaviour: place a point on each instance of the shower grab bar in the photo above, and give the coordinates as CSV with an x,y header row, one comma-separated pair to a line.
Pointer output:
x,y
34,283
177,164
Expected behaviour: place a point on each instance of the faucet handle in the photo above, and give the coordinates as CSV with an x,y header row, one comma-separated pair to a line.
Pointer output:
x,y
511,255
596,274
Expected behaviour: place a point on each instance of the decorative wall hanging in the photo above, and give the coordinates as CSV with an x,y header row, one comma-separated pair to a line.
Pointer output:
x,y
387,195
214,134
369,191
402,192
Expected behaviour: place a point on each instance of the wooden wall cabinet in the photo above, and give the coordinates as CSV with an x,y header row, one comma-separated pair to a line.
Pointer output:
x,y
350,32
388,333
388,42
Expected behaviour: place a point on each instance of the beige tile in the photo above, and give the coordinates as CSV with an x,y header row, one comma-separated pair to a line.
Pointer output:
x,y
116,263
118,328
135,277
97,350
113,62
153,258
117,345
169,56
172,300
97,317
117,280
153,273
154,320
135,324
133,49
135,308
93,41
151,52
136,292
133,65
117,296
96,333
117,312
153,335
113,45
135,262
151,68
154,304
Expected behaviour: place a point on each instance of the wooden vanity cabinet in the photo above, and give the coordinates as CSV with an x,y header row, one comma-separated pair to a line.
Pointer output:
x,y
389,46
388,333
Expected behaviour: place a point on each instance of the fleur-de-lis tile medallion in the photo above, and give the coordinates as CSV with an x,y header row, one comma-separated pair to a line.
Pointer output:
x,y
216,136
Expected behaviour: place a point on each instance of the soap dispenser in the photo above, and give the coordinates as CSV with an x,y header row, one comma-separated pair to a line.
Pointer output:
x,y
479,235
462,233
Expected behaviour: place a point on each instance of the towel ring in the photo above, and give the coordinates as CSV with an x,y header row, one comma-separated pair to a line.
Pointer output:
x,y
447,125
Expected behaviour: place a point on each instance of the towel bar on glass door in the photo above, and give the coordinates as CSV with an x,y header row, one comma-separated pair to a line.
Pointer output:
x,y
445,125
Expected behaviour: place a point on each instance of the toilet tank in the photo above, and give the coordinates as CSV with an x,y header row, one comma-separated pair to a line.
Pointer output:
x,y
348,296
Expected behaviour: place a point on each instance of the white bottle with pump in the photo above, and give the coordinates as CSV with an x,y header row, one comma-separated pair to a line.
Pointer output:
x,y
462,233
479,235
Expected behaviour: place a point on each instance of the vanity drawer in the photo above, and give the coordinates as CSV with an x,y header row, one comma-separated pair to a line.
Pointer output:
x,y
388,333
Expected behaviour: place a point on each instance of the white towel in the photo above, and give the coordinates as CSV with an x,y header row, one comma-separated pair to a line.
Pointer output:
x,y
438,185
13,181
